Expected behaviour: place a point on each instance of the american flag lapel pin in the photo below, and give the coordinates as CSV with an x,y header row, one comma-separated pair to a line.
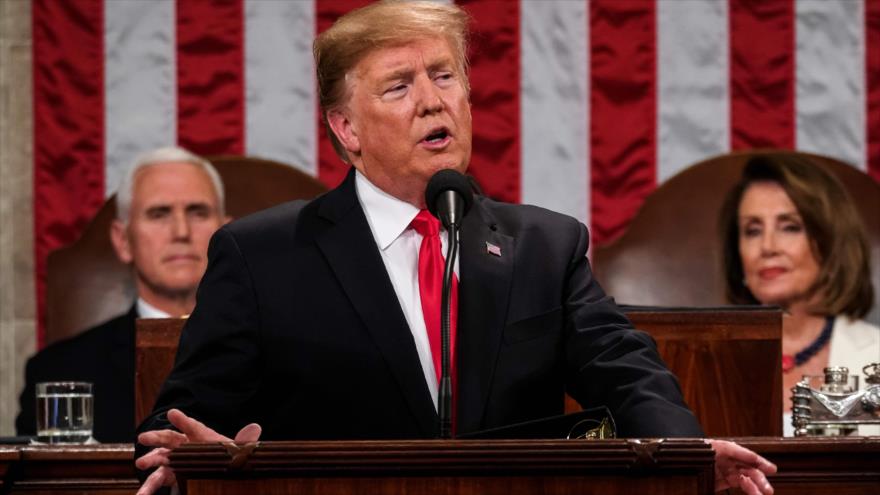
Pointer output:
x,y
493,249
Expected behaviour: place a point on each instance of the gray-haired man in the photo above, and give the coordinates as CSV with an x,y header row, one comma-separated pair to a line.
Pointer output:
x,y
169,204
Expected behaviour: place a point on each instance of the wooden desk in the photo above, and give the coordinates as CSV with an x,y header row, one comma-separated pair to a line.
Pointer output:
x,y
155,348
8,457
821,465
449,467
37,470
727,360
807,466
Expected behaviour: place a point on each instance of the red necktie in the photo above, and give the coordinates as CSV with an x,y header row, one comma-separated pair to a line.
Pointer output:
x,y
431,288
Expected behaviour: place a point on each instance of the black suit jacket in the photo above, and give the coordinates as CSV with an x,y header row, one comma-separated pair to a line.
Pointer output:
x,y
104,356
297,327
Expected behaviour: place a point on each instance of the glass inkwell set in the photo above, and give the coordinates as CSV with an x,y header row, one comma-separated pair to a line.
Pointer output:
x,y
833,405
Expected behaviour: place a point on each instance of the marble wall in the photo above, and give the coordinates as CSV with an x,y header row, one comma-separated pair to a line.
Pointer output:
x,y
17,307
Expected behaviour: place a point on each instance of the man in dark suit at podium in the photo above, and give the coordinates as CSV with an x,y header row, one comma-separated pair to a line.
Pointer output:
x,y
168,206
312,318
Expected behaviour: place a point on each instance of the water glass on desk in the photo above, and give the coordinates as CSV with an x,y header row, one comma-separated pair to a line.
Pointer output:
x,y
64,412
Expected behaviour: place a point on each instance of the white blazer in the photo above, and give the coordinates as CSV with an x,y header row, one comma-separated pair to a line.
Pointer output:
x,y
854,344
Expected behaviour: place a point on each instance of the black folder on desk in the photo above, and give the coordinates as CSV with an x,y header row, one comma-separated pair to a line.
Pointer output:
x,y
574,425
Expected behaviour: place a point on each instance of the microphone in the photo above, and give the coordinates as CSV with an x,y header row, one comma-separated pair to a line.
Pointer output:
x,y
449,197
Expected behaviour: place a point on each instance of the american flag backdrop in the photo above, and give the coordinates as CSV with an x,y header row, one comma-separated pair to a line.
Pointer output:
x,y
581,106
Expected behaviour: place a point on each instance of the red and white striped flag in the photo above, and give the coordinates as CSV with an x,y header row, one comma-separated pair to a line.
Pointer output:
x,y
581,106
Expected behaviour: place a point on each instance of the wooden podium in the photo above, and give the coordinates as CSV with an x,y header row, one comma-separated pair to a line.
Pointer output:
x,y
727,360
821,465
807,466
104,469
453,467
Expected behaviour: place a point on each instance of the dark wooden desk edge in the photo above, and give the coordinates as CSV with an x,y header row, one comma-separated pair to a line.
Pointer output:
x,y
465,457
802,461
83,468
110,452
811,443
103,451
709,323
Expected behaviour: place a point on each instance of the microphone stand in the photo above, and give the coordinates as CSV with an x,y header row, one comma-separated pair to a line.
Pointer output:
x,y
445,397
449,193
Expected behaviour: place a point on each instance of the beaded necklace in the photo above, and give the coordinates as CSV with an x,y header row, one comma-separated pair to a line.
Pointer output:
x,y
789,362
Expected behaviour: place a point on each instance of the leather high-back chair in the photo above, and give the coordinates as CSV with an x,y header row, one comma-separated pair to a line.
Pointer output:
x,y
670,254
87,284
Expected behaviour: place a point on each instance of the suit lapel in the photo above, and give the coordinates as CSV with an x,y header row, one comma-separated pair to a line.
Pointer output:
x,y
352,254
484,292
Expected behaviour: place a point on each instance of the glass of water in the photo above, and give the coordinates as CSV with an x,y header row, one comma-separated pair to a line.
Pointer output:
x,y
64,412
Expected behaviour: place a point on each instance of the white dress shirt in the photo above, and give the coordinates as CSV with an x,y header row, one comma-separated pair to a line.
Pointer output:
x,y
389,220
147,310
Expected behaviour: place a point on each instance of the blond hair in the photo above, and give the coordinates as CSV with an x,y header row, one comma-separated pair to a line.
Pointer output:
x,y
380,25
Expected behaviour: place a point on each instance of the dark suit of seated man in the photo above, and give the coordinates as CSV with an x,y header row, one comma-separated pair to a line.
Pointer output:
x,y
311,320
168,206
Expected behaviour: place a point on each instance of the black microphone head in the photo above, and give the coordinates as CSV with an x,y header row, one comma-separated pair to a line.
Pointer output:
x,y
448,180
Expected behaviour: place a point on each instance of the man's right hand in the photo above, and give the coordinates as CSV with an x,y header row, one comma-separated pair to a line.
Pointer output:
x,y
164,441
